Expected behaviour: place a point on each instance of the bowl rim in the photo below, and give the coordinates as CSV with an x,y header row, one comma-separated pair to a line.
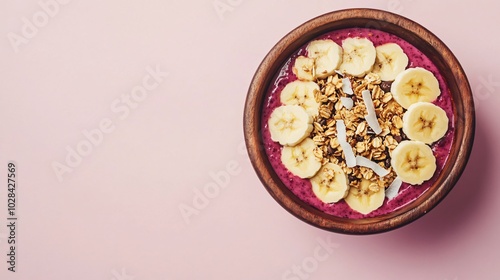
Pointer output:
x,y
436,50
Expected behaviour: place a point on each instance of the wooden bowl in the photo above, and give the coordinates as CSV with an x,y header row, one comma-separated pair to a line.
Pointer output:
x,y
414,34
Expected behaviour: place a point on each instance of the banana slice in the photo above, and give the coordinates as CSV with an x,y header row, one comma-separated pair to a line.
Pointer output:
x,y
391,60
414,85
300,159
290,124
330,184
359,56
367,198
304,68
327,56
425,122
413,162
301,93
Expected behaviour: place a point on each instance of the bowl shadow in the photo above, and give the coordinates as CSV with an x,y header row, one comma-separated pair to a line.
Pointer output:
x,y
462,204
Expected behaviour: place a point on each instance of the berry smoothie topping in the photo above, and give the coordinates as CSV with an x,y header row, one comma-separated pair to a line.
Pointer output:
x,y
352,130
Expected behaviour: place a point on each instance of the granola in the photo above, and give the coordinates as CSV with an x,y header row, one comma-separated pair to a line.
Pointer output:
x,y
360,136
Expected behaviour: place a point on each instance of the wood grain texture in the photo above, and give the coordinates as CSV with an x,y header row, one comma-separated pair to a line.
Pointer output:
x,y
416,35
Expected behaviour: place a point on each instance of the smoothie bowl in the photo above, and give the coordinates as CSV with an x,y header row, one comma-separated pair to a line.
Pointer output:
x,y
359,121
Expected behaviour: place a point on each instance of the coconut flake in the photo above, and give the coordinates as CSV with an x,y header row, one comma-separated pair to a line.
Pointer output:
x,y
379,170
373,123
393,190
346,86
340,73
350,158
371,118
347,102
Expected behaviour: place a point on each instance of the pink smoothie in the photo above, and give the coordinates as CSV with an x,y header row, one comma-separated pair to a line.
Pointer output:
x,y
302,187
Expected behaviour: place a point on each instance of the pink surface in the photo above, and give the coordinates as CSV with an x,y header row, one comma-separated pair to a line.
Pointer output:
x,y
97,70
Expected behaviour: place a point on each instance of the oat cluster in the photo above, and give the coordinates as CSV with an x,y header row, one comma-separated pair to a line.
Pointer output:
x,y
362,139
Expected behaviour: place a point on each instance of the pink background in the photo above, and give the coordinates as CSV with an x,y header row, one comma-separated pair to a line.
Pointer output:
x,y
116,215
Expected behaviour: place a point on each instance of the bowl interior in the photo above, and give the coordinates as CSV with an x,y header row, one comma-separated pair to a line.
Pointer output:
x,y
414,34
